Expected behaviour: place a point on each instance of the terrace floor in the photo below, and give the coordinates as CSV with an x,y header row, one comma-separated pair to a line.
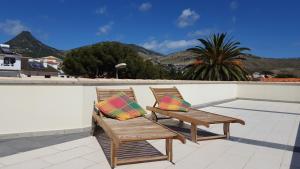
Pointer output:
x,y
269,140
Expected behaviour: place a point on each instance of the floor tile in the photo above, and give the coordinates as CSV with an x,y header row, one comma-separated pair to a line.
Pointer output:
x,y
77,163
73,144
33,164
21,157
97,156
67,155
103,166
266,142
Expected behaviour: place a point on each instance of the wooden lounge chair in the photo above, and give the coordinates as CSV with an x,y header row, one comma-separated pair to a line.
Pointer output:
x,y
132,130
194,116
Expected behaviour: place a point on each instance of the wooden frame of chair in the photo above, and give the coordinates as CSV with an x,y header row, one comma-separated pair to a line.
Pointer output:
x,y
194,117
118,140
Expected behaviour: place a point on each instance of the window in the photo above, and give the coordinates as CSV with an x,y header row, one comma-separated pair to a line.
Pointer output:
x,y
8,61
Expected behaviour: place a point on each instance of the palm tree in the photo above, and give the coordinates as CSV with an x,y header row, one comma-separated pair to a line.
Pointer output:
x,y
218,58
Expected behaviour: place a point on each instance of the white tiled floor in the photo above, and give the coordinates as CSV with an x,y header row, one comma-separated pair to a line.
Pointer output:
x,y
265,142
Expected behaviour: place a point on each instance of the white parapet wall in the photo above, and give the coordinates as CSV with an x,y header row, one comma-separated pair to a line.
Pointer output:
x,y
196,94
286,92
51,106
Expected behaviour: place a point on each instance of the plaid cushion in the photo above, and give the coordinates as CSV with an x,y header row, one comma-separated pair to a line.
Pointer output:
x,y
120,107
170,102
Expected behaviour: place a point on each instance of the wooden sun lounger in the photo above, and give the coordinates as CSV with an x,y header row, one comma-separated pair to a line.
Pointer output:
x,y
194,117
133,130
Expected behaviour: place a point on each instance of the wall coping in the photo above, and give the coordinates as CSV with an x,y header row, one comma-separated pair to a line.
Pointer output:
x,y
94,82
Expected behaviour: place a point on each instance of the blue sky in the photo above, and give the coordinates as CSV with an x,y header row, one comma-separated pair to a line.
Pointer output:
x,y
269,28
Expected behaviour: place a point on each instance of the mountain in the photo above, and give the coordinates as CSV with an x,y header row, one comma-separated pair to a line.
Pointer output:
x,y
141,51
252,63
27,45
178,58
275,65
145,53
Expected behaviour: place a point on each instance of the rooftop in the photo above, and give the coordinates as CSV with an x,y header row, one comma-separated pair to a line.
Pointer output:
x,y
51,128
270,140
281,79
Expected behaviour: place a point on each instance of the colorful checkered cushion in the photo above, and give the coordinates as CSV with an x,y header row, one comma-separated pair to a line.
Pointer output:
x,y
170,102
120,107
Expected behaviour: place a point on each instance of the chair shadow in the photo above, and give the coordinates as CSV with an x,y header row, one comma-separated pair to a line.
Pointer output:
x,y
184,129
295,162
126,150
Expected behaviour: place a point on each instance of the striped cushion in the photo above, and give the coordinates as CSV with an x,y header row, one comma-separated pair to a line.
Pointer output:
x,y
120,107
170,102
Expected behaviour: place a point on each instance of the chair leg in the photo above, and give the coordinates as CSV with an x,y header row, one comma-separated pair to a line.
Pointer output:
x,y
93,127
169,149
181,123
154,116
194,132
226,130
113,153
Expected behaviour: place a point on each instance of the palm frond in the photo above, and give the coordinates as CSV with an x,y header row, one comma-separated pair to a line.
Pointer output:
x,y
221,59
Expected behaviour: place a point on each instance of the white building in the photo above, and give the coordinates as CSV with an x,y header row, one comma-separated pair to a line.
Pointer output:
x,y
257,75
10,63
51,61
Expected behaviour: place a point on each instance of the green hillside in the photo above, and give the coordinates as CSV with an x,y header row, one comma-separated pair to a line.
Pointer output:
x,y
252,63
27,45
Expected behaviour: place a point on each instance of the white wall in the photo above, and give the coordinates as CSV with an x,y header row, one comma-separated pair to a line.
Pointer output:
x,y
38,105
277,92
49,107
16,66
33,108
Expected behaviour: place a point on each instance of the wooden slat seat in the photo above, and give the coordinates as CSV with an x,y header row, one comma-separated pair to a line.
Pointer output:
x,y
132,130
138,129
194,116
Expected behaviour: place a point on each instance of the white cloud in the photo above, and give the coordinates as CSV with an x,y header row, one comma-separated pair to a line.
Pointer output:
x,y
152,45
187,18
233,5
104,29
169,45
12,27
201,32
102,10
145,6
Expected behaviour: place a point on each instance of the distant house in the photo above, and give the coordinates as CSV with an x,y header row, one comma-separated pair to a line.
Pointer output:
x,y
52,61
14,65
35,67
257,75
10,63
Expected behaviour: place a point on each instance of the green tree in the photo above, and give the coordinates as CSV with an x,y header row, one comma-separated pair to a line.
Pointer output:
x,y
218,58
99,60
72,66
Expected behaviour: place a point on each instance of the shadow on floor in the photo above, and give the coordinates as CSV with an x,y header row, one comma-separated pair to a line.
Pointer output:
x,y
18,145
184,129
128,150
265,144
295,162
